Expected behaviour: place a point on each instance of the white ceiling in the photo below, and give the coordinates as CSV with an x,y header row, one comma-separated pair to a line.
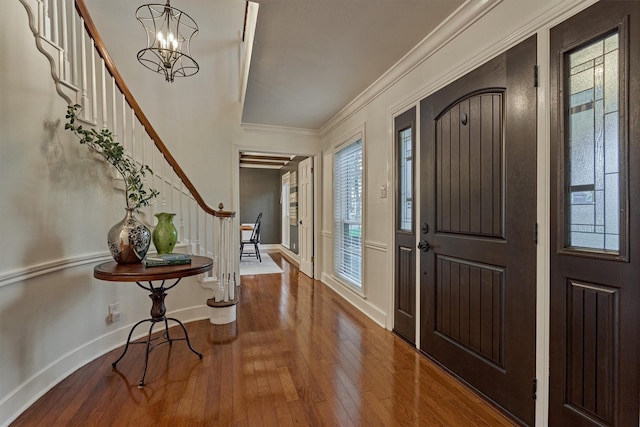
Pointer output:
x,y
312,57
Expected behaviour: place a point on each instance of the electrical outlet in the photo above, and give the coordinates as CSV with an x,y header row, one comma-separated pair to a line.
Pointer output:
x,y
114,312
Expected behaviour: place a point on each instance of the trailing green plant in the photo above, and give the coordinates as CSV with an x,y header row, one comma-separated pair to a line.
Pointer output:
x,y
102,142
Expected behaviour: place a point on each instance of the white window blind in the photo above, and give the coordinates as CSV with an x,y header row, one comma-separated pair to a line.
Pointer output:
x,y
347,224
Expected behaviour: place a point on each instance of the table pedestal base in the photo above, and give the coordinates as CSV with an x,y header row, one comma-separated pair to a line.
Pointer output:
x,y
158,311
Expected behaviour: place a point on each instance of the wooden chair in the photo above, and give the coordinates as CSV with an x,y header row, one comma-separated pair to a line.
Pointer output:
x,y
253,240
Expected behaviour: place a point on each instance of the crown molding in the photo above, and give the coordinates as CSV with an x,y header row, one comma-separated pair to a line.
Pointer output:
x,y
457,22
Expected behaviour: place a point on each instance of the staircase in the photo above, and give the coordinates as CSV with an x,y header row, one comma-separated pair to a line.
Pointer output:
x,y
84,74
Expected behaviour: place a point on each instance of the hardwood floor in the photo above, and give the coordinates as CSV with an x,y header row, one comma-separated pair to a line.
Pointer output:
x,y
297,355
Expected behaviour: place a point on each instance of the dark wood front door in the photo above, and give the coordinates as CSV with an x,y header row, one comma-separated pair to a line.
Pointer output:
x,y
595,226
478,200
405,240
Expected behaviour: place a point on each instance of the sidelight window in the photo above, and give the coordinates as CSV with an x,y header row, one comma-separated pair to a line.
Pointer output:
x,y
593,176
405,142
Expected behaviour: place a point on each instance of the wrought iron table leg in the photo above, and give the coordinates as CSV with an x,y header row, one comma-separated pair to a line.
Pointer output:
x,y
186,336
158,311
129,341
166,331
146,355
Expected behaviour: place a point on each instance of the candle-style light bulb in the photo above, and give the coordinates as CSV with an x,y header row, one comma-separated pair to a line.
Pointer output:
x,y
163,44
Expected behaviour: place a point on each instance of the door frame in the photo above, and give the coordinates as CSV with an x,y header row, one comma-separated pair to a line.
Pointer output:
x,y
304,199
235,188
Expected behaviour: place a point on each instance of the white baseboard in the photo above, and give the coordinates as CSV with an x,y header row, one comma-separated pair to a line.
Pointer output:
x,y
371,311
268,246
39,384
291,256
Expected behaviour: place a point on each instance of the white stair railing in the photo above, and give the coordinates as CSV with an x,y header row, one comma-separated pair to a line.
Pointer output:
x,y
85,74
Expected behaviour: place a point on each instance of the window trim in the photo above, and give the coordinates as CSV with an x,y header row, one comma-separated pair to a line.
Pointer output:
x,y
400,126
562,242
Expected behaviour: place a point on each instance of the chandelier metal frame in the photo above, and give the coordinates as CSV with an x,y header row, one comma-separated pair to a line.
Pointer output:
x,y
169,33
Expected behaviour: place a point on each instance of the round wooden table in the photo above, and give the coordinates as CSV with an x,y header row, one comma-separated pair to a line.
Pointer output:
x,y
114,272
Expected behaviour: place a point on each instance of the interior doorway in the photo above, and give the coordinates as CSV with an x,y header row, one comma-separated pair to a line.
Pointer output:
x,y
271,183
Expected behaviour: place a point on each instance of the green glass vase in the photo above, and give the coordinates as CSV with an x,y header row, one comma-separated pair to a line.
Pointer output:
x,y
165,234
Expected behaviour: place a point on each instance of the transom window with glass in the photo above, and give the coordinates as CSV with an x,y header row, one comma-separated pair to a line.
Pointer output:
x,y
347,218
592,159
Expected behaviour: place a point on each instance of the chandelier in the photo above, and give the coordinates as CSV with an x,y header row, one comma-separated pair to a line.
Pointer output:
x,y
169,33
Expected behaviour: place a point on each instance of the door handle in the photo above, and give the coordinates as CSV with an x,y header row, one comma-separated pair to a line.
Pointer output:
x,y
424,246
300,222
